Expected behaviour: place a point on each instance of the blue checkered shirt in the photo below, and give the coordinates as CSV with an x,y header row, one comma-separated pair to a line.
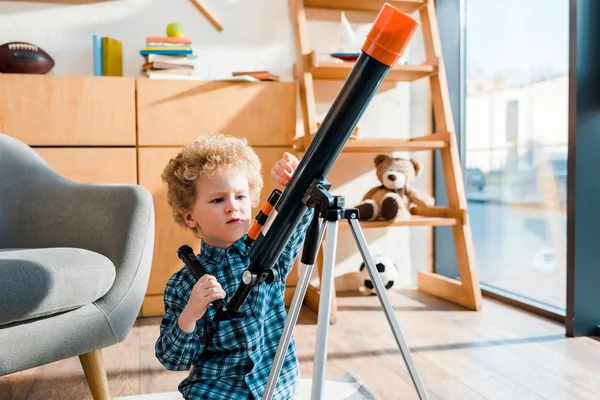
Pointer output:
x,y
231,360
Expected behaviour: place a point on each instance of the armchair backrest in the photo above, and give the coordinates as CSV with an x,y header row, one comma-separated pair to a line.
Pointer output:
x,y
21,168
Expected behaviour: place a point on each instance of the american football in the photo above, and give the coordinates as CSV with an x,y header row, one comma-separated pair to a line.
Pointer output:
x,y
24,58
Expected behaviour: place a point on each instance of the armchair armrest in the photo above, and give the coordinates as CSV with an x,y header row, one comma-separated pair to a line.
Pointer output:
x,y
114,220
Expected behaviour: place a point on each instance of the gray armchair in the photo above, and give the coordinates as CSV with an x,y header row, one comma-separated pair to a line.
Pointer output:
x,y
74,264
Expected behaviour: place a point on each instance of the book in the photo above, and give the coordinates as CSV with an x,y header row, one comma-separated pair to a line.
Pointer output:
x,y
97,53
166,52
112,57
166,65
162,39
169,71
166,44
173,48
167,58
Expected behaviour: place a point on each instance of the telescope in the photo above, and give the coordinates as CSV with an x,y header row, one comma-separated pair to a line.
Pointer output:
x,y
309,188
386,41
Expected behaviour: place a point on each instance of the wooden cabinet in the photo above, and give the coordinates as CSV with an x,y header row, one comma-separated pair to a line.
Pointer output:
x,y
171,113
83,127
45,110
123,130
92,164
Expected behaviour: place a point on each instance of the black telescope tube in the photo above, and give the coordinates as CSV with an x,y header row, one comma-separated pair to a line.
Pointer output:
x,y
362,83
359,88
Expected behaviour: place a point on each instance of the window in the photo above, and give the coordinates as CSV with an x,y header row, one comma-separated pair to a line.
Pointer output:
x,y
516,131
512,121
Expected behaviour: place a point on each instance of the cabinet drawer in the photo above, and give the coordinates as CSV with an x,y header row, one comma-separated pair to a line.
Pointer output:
x,y
92,165
45,110
173,113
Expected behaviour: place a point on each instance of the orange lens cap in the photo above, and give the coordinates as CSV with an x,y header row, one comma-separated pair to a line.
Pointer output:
x,y
390,34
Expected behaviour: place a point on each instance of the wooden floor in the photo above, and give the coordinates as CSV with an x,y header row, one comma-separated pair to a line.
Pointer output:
x,y
498,353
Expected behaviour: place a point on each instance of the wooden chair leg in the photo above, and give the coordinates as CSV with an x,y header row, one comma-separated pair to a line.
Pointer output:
x,y
93,367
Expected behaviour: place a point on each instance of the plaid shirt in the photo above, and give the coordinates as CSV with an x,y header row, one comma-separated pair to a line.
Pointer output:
x,y
231,360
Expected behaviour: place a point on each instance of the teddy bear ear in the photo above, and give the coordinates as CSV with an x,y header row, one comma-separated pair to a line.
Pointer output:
x,y
381,158
417,166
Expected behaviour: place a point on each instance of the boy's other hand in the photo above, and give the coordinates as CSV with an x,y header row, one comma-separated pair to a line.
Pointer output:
x,y
284,169
204,292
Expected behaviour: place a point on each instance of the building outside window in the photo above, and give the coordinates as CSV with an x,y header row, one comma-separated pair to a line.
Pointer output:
x,y
516,132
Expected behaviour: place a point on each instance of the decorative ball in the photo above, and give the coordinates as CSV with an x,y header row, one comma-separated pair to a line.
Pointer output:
x,y
388,272
175,29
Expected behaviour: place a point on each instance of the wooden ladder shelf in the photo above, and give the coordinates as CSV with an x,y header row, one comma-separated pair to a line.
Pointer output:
x,y
466,291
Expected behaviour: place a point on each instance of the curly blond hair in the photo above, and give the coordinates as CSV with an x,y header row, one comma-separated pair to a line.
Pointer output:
x,y
205,157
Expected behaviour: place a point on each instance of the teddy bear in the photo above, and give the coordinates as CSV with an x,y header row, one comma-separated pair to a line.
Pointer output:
x,y
394,198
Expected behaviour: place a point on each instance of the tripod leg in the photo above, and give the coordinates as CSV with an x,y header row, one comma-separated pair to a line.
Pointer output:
x,y
288,329
387,307
324,311
311,247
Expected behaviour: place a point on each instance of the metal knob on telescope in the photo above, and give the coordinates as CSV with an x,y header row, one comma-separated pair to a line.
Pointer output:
x,y
186,254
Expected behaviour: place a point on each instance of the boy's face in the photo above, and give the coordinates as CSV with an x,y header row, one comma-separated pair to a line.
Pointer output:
x,y
222,208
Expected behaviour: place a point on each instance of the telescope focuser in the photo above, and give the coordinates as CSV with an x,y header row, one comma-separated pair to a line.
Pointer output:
x,y
268,276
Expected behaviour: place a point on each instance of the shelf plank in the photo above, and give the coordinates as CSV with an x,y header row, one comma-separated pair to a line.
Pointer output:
x,y
408,6
70,1
399,73
368,145
312,299
446,288
386,145
414,220
440,212
330,70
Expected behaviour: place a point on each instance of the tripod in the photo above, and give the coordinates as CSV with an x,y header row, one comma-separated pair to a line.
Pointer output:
x,y
331,209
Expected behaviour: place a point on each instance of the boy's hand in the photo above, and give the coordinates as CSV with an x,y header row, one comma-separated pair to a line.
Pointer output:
x,y
284,168
204,292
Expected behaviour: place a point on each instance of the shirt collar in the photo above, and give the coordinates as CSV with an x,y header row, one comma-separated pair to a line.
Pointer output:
x,y
216,255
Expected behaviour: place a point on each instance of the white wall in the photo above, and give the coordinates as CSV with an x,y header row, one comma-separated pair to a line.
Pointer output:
x,y
257,35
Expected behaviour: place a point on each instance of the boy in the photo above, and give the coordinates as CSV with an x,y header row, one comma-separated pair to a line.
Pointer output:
x,y
212,185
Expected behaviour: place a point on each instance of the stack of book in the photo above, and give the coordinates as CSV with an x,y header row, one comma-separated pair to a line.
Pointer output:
x,y
167,57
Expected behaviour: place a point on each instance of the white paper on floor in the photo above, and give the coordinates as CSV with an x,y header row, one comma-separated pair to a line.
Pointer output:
x,y
331,390
154,396
347,386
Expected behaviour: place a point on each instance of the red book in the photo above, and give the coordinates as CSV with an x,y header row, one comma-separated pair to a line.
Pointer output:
x,y
163,39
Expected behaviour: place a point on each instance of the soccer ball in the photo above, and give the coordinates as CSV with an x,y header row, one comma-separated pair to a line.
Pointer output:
x,y
388,272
